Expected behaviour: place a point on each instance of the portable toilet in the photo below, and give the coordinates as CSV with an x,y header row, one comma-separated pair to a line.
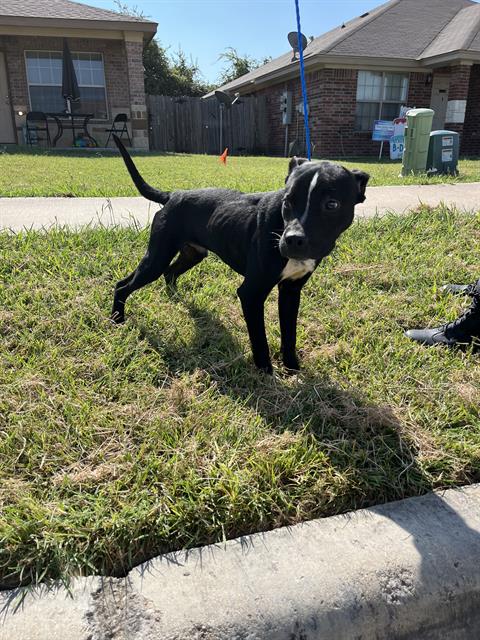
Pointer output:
x,y
417,140
443,152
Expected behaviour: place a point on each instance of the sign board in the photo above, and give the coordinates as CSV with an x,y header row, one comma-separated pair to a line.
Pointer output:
x,y
397,141
397,147
383,130
447,141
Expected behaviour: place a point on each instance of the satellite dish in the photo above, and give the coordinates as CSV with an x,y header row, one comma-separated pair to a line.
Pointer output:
x,y
225,98
293,40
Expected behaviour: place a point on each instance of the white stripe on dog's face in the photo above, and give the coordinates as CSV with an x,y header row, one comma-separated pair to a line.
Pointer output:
x,y
313,184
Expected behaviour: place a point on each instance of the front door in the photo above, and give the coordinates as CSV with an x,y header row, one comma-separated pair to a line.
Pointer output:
x,y
7,131
439,102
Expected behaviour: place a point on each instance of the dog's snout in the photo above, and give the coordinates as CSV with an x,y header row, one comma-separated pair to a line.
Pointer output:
x,y
294,243
295,240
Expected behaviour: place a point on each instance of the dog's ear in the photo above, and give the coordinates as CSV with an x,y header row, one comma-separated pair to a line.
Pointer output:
x,y
294,163
362,179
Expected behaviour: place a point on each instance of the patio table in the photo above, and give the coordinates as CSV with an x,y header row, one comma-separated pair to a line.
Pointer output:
x,y
77,122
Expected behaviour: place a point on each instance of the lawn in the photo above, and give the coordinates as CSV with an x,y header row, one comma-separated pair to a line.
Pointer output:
x,y
40,173
120,443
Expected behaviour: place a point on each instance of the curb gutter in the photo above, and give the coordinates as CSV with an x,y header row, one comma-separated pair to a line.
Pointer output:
x,y
408,570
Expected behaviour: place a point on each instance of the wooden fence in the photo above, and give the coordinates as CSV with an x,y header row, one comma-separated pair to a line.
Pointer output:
x,y
192,125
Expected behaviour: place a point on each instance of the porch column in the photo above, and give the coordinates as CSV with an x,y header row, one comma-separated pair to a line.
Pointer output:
x,y
457,97
471,129
136,82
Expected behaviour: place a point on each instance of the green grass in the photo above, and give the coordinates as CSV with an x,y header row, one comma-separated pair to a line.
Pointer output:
x,y
119,443
41,173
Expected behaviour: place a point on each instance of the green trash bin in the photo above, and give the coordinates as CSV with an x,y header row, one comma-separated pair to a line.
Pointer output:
x,y
417,140
443,153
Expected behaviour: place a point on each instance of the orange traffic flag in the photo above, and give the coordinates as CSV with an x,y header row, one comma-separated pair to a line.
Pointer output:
x,y
223,157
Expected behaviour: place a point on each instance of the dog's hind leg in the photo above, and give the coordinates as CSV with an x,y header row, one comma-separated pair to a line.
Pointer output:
x,y
149,270
189,256
161,251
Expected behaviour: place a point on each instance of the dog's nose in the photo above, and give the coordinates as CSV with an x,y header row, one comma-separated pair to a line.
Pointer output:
x,y
295,239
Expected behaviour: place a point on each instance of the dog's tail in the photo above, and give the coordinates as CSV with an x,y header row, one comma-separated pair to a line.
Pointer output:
x,y
145,189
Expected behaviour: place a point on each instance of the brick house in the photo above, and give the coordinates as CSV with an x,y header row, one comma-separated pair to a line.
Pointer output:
x,y
418,53
107,52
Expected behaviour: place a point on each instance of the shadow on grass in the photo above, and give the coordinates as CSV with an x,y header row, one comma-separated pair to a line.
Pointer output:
x,y
365,443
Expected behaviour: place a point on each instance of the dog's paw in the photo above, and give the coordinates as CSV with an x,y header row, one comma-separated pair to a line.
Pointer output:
x,y
170,281
291,364
265,367
117,318
172,290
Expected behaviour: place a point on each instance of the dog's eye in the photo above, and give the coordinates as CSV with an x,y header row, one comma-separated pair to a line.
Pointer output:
x,y
332,204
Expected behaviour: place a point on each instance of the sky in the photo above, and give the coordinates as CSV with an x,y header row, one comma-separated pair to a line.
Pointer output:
x,y
259,28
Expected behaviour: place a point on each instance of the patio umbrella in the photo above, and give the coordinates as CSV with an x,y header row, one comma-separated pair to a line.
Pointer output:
x,y
70,90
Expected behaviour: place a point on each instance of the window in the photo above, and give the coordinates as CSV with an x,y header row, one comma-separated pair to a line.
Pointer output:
x,y
44,73
379,97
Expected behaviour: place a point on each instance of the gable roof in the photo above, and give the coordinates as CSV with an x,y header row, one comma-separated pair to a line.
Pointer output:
x,y
404,29
410,32
461,34
42,12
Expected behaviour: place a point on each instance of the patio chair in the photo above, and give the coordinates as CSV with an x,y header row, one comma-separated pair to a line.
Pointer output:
x,y
120,119
37,122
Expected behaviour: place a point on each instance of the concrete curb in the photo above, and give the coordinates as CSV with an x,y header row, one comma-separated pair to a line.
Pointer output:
x,y
404,570
37,213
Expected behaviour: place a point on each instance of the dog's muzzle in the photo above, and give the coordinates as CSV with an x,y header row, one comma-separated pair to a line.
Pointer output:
x,y
294,244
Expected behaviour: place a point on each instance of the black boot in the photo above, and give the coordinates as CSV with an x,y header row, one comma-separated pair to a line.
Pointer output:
x,y
462,331
459,289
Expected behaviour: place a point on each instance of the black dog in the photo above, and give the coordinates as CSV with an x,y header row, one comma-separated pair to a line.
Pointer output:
x,y
271,238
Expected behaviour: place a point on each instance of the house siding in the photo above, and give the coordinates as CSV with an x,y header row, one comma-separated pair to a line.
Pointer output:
x,y
123,77
332,97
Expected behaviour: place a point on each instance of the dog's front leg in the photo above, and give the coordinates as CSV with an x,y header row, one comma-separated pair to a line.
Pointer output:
x,y
253,300
288,304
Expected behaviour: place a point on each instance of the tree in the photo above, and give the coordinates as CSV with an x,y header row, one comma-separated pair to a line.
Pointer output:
x,y
169,75
173,75
238,65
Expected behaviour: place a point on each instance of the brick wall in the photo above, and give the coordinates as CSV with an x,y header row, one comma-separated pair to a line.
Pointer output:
x,y
334,122
459,82
116,73
471,130
16,71
419,91
138,102
332,98
458,90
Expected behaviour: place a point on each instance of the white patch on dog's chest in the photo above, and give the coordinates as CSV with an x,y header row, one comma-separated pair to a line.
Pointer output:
x,y
296,269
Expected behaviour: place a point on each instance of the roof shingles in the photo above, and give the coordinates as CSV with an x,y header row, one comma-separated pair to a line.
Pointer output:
x,y
60,9
459,33
402,29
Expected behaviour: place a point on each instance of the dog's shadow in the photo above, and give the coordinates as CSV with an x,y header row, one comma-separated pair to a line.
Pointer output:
x,y
212,346
364,442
